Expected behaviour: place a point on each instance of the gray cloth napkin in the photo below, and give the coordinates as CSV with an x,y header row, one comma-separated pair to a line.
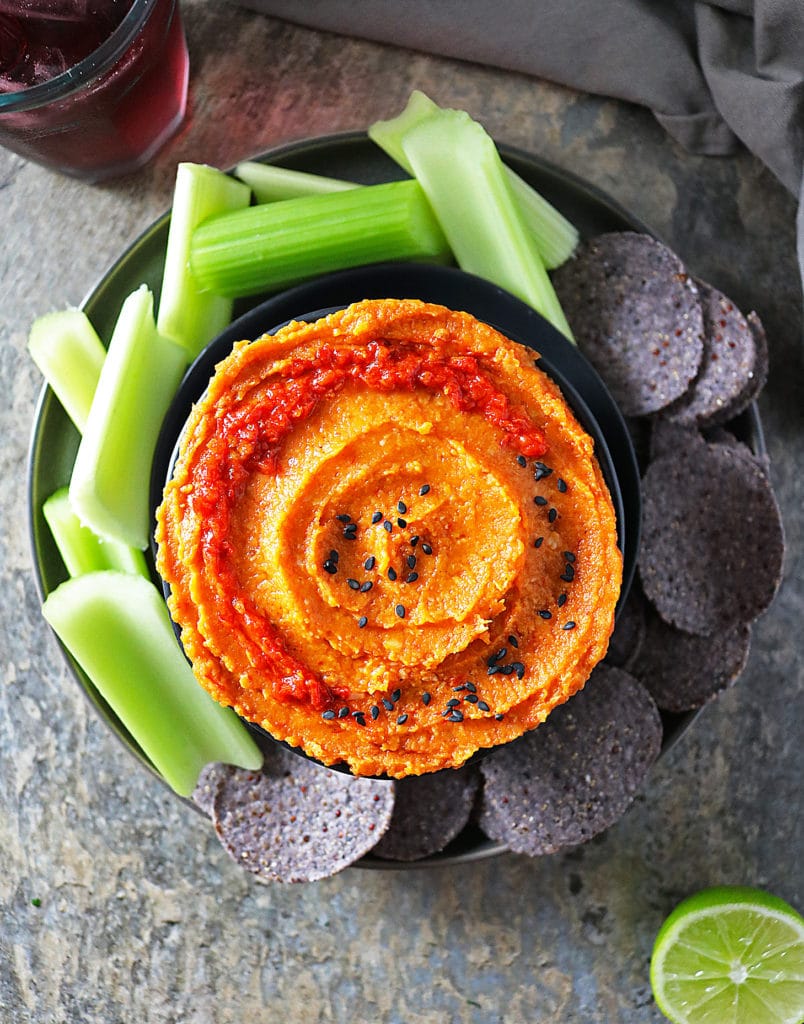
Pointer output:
x,y
714,72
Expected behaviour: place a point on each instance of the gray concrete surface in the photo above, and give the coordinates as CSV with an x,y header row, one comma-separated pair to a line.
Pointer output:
x,y
143,917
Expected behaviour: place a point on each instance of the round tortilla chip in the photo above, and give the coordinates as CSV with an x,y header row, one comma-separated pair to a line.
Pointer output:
x,y
629,630
296,821
206,789
576,774
725,381
682,671
712,539
667,437
636,316
429,811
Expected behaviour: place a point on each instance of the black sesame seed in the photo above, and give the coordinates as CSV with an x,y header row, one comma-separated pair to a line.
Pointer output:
x,y
387,704
400,611
455,716
483,706
512,640
343,518
426,549
501,654
374,711
447,712
538,542
401,507
566,577
350,532
414,541
519,668
507,670
359,717
353,584
411,577
401,719
362,621
521,460
562,600
401,523
328,715
492,670
334,556
365,587
499,718
396,695
425,698
552,515
388,525
569,556
471,687
458,689
343,712
539,500
471,698
545,614
370,562
453,702
411,560
392,574
424,489
541,471
376,517
330,567
561,485
568,625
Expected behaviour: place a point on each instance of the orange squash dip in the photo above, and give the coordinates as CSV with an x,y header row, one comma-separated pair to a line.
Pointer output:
x,y
388,540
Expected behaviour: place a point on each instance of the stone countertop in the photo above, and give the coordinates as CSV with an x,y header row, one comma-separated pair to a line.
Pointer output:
x,y
143,917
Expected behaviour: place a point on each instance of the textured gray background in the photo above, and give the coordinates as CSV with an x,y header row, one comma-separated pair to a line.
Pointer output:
x,y
143,917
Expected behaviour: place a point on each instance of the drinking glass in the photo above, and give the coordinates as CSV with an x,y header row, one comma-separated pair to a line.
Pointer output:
x,y
91,87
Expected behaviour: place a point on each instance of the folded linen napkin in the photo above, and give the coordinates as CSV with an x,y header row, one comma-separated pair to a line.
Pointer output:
x,y
714,72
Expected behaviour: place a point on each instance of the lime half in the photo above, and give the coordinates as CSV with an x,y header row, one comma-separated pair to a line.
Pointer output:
x,y
730,956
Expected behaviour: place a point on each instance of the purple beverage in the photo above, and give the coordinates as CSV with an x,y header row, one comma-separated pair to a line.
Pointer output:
x,y
91,87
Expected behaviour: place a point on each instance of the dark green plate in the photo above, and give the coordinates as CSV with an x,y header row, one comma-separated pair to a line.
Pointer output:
x,y
54,440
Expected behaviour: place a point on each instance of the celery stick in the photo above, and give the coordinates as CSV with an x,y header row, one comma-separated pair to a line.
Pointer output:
x,y
110,480
269,183
388,135
186,315
555,236
82,550
70,354
117,628
273,245
460,170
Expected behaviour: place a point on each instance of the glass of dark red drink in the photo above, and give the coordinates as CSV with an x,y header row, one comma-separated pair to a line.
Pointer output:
x,y
91,87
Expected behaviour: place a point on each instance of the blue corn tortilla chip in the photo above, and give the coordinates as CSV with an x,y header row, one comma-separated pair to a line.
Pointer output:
x,y
712,541
429,812
636,316
629,630
731,371
576,774
296,821
683,671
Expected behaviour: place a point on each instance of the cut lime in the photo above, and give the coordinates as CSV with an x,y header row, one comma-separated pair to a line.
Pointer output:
x,y
730,956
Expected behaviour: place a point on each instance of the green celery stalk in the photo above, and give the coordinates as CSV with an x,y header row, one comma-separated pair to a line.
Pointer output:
x,y
274,245
555,236
271,184
110,479
82,550
187,315
117,628
460,170
70,354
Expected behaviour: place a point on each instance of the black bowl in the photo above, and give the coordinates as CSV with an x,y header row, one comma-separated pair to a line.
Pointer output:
x,y
560,359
